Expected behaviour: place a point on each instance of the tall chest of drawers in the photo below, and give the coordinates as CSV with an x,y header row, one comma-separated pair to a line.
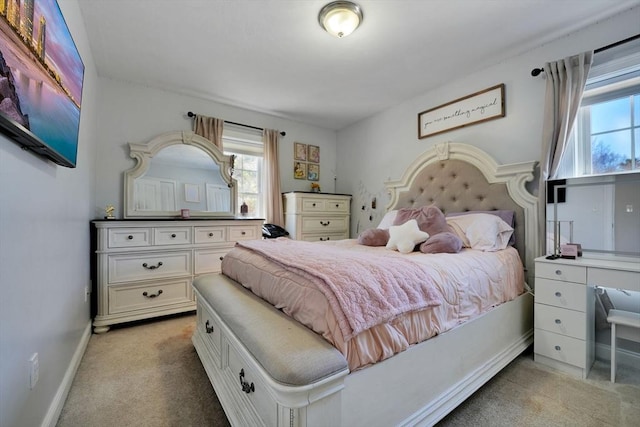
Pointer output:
x,y
565,308
317,216
144,268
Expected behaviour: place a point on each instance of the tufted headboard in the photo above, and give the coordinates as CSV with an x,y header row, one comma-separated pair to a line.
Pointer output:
x,y
459,177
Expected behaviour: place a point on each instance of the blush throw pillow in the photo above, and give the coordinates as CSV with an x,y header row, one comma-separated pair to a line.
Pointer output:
x,y
405,237
374,237
446,242
430,219
481,231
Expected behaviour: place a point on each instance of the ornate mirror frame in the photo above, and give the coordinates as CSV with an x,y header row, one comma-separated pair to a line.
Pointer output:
x,y
144,152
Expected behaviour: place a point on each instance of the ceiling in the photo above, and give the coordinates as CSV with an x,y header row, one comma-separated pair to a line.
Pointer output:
x,y
273,57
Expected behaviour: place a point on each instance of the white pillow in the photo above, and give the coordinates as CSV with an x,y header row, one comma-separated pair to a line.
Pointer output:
x,y
387,220
405,237
481,231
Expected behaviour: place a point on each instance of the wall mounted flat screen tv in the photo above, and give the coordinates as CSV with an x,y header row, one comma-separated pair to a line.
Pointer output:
x,y
41,77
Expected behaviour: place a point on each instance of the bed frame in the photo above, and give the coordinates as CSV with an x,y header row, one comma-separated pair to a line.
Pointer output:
x,y
250,350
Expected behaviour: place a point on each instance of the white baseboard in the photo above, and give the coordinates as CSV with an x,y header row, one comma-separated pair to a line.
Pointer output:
x,y
625,357
51,418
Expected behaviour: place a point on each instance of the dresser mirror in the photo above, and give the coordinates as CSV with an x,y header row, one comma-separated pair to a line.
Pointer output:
x,y
176,171
602,213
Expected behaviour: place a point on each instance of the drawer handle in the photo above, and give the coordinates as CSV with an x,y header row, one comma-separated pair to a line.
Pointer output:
x,y
557,348
558,294
324,224
173,236
221,258
246,387
337,205
243,233
324,240
130,237
558,272
314,205
152,267
558,321
146,294
210,234
208,327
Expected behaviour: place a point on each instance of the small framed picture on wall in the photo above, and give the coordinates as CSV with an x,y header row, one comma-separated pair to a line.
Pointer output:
x,y
314,154
313,172
300,151
299,170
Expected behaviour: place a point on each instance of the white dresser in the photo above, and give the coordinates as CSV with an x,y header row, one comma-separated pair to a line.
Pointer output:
x,y
564,308
144,268
317,216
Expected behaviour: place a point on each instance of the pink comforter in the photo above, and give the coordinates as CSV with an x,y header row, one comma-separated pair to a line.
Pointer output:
x,y
363,289
468,284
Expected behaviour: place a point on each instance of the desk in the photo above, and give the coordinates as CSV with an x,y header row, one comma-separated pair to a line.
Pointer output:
x,y
564,308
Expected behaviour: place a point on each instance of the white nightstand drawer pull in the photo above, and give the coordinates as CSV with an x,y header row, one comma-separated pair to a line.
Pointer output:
x,y
558,321
558,294
557,348
558,272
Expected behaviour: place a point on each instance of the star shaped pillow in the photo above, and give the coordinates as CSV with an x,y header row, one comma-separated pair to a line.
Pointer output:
x,y
405,237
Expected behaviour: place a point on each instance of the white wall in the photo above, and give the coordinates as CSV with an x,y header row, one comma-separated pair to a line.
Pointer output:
x,y
382,146
44,258
135,113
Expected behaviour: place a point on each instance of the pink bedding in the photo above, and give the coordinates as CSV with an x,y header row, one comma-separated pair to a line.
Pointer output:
x,y
466,285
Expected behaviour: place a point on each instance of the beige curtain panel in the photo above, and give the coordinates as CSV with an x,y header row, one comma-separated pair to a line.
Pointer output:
x,y
210,128
272,177
566,80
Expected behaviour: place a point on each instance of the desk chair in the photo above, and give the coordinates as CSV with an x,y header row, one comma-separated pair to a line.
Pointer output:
x,y
624,324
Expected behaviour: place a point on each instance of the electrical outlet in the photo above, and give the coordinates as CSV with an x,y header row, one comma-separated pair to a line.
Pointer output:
x,y
34,370
86,293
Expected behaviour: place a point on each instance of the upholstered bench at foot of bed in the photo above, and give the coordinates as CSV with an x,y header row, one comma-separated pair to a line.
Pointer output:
x,y
287,367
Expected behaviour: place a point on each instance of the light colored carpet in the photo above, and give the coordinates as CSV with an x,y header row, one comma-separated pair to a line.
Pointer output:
x,y
148,374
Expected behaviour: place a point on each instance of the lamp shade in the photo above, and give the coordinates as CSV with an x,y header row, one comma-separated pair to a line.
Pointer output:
x,y
340,18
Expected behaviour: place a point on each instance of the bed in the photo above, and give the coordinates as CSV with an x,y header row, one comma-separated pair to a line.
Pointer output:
x,y
269,369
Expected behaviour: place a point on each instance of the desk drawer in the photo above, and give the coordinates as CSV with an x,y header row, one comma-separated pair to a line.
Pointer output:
x,y
567,273
123,299
560,347
629,280
126,268
561,321
561,294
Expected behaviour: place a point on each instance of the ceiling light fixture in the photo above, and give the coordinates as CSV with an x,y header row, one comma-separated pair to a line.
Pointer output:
x,y
340,18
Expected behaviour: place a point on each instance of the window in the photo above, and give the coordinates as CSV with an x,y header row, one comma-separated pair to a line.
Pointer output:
x,y
248,168
606,136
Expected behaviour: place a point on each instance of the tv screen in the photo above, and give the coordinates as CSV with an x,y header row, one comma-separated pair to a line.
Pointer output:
x,y
41,76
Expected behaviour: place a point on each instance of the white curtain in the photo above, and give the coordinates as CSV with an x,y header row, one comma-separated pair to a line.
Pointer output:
x,y
210,128
272,177
566,79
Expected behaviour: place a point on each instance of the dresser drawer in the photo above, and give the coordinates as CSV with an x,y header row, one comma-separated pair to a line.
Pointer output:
x,y
312,205
243,233
256,396
210,234
561,321
209,260
337,206
560,347
629,280
129,237
566,273
326,224
126,298
124,268
323,237
561,294
172,236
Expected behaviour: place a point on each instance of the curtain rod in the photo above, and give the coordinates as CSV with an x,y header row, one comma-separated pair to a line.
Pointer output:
x,y
193,115
537,71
